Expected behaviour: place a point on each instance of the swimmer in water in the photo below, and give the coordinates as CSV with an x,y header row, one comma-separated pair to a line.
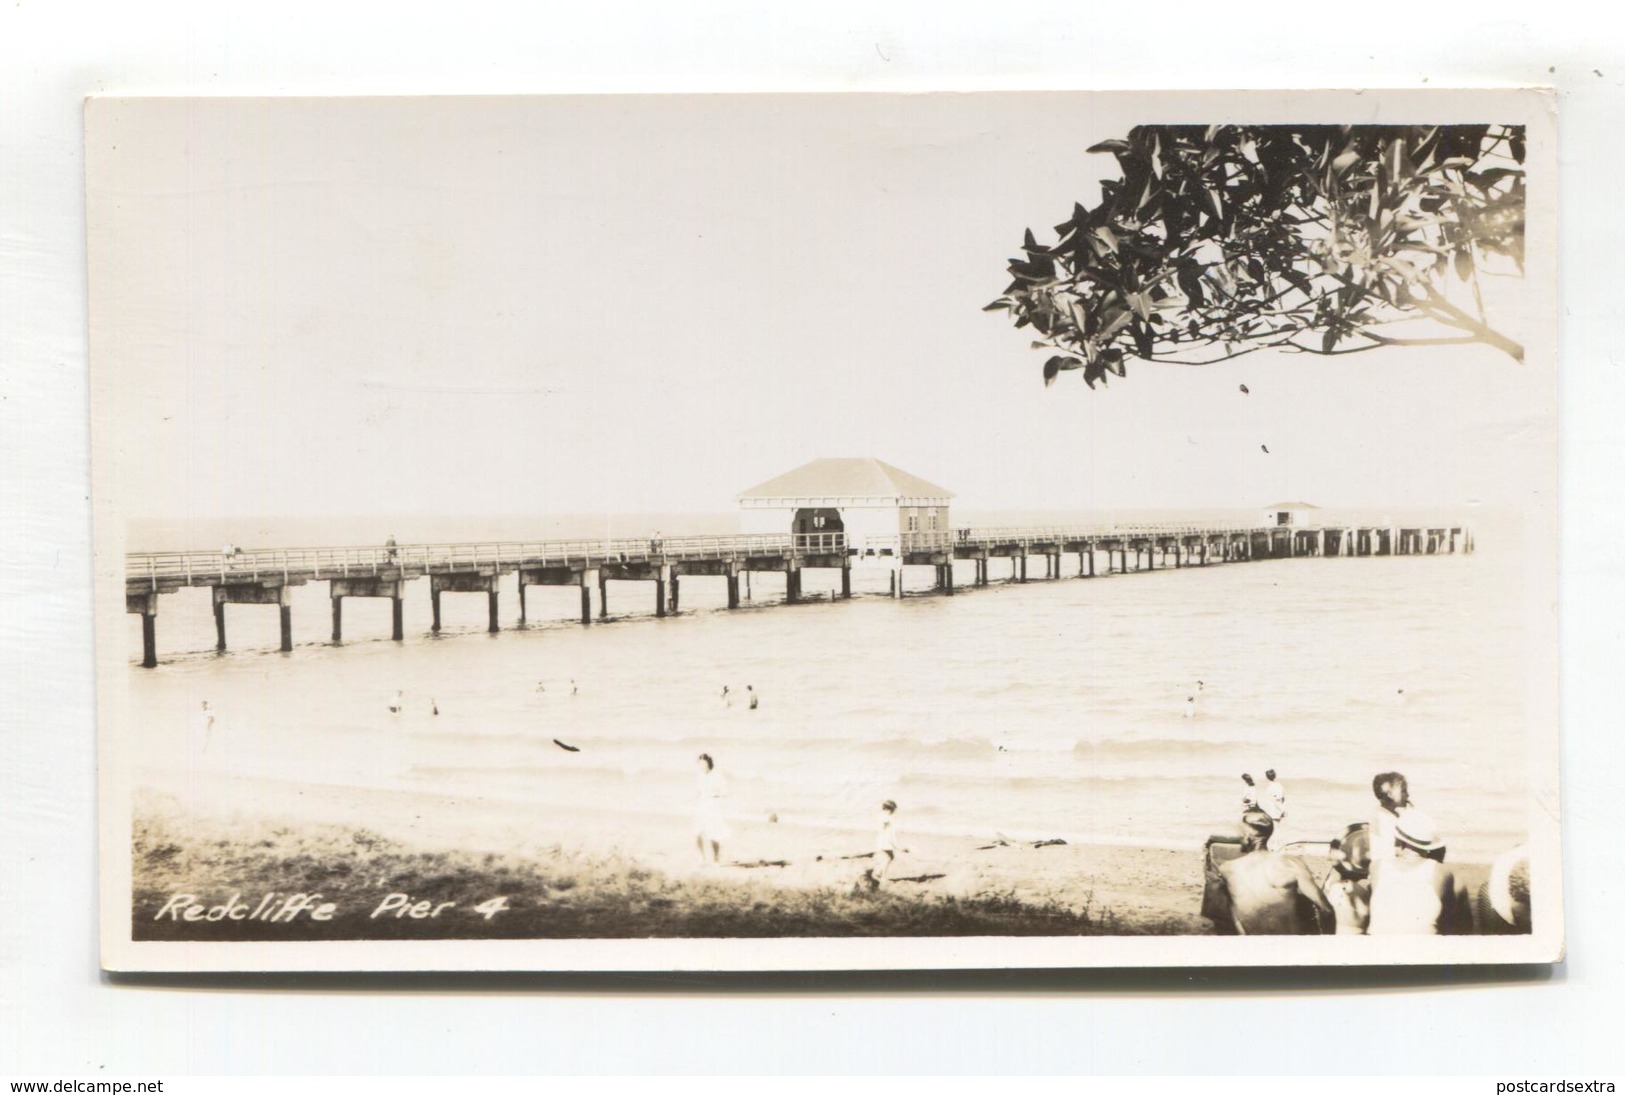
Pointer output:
x,y
750,690
434,708
727,698
395,707
1190,707
572,686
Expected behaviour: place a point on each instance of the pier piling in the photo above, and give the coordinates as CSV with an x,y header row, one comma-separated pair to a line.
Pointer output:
x,y
146,606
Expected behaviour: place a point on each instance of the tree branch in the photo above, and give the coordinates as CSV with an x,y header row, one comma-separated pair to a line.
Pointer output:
x,y
1445,312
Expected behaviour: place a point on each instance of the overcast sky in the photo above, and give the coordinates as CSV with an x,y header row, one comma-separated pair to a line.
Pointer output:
x,y
632,304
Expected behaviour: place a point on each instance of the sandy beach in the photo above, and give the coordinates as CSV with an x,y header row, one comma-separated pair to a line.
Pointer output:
x,y
361,846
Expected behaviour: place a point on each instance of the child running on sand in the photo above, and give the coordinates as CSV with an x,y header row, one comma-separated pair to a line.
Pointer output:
x,y
886,841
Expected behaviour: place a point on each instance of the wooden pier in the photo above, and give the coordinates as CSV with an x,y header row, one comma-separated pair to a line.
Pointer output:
x,y
265,577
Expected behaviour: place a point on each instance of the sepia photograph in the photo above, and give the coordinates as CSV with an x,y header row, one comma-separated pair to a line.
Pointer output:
x,y
825,531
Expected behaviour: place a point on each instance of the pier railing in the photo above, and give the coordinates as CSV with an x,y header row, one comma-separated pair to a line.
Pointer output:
x,y
242,565
239,566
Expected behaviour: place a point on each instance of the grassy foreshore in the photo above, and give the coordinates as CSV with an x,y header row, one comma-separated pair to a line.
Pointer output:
x,y
335,882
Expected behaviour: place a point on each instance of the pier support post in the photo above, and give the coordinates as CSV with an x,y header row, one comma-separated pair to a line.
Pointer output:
x,y
674,595
948,578
1091,554
285,620
733,590
146,606
586,599
434,603
1023,563
219,623
397,630
338,619
747,585
493,626
603,596
660,596
846,582
790,585
521,600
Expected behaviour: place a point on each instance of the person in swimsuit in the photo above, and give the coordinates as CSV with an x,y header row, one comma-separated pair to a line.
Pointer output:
x,y
1393,795
202,729
1412,893
1273,802
1264,888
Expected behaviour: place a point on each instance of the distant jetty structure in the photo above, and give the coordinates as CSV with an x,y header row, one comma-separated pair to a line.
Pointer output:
x,y
833,514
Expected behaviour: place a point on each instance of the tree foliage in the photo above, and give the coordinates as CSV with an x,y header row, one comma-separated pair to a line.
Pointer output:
x,y
1219,241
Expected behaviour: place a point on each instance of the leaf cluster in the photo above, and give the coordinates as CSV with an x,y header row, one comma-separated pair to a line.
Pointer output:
x,y
1221,240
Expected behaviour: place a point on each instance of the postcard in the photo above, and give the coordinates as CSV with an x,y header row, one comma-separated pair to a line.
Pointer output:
x,y
826,531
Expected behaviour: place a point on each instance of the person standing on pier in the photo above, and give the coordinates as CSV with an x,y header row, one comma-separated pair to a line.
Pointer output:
x,y
710,828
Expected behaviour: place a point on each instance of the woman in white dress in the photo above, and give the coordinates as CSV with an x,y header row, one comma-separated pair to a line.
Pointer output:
x,y
710,828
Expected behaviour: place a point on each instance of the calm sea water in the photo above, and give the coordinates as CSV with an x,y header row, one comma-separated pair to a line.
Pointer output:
x,y
1051,709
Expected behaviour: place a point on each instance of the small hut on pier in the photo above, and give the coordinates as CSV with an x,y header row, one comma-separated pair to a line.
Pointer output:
x,y
875,505
1290,515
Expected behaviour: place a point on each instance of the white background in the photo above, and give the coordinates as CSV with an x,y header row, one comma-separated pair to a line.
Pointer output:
x,y
59,1016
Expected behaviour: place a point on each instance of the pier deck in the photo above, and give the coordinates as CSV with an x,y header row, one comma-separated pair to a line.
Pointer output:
x,y
265,576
